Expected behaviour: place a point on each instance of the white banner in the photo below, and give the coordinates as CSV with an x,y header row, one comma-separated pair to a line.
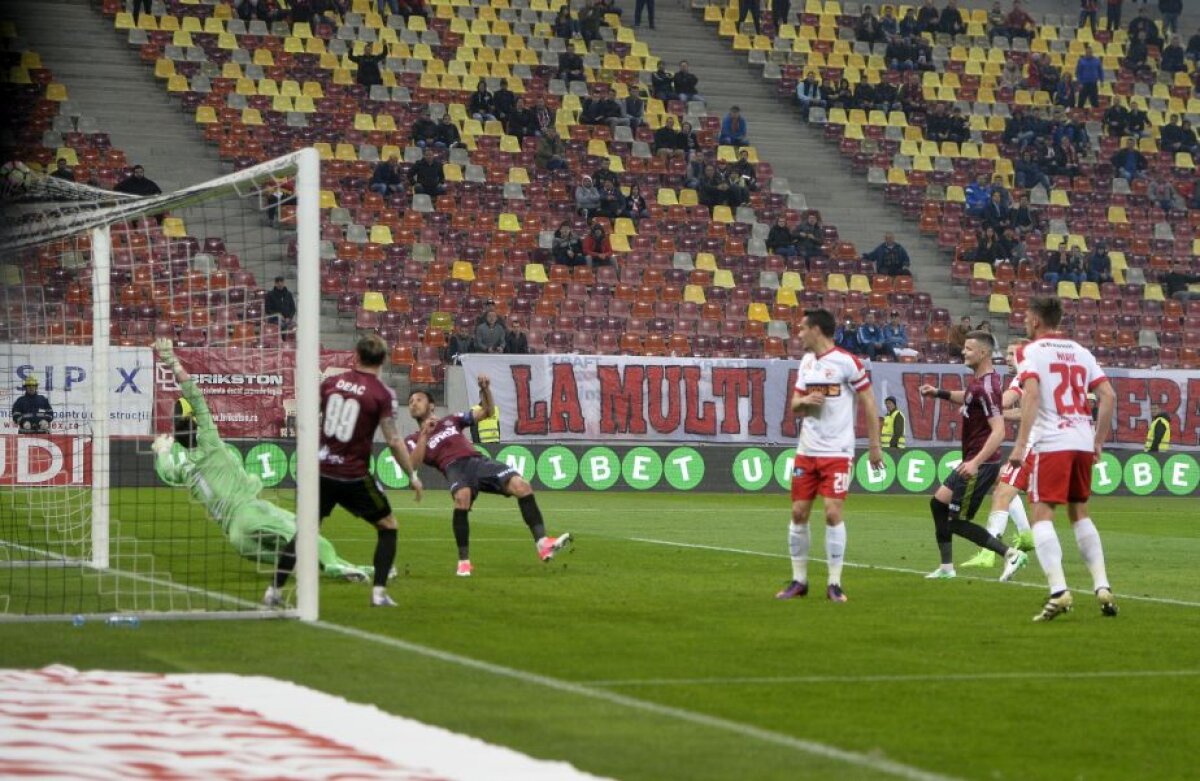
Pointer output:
x,y
65,378
546,398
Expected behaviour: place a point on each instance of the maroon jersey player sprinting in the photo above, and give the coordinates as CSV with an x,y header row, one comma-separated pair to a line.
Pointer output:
x,y
353,405
440,443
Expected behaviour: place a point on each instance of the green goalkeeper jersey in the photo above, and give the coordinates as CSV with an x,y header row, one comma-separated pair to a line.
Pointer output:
x,y
211,471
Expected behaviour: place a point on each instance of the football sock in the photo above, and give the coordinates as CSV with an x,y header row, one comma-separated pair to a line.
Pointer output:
x,y
1049,553
798,541
1092,551
532,516
385,555
996,522
1016,509
835,551
285,563
941,530
462,534
978,535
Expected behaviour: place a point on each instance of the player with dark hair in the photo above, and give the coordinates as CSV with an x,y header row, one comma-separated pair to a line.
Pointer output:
x,y
353,405
1057,444
440,443
956,501
828,383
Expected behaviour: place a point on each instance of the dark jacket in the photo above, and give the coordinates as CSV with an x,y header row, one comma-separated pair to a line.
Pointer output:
x,y
36,406
368,68
279,301
427,173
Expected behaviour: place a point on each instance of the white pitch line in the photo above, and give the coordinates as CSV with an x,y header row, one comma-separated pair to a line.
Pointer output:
x,y
885,568
917,678
812,747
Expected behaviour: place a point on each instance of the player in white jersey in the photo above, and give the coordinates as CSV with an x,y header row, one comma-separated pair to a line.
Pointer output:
x,y
1056,376
1006,498
828,383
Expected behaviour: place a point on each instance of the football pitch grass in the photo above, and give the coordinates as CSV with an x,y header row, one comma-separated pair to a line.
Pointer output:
x,y
654,648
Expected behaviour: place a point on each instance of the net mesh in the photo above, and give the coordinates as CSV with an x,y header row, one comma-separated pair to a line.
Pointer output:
x,y
144,533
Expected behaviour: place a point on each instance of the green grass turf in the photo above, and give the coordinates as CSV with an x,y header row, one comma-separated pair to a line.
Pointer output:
x,y
696,629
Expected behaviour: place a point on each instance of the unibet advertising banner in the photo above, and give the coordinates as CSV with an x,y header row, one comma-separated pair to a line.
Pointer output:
x,y
65,377
563,398
682,468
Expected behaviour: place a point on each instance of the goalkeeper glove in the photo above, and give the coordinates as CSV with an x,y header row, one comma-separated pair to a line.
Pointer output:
x,y
162,443
165,350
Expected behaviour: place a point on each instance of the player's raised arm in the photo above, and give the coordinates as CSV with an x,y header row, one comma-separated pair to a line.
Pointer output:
x,y
395,443
206,430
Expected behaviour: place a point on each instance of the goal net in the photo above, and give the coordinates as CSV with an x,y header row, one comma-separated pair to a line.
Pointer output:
x,y
124,489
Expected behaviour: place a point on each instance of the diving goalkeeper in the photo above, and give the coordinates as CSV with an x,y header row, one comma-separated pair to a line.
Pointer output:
x,y
217,479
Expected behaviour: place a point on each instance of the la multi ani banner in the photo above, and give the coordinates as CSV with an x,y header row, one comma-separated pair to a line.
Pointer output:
x,y
556,398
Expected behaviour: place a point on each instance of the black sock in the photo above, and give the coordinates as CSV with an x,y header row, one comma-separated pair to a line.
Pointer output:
x,y
385,555
532,516
978,535
285,563
941,529
462,534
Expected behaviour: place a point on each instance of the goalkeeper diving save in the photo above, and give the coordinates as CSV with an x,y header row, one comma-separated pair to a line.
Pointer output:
x,y
217,479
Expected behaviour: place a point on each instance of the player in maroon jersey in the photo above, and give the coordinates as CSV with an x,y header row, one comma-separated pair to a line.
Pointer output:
x,y
956,501
440,443
353,405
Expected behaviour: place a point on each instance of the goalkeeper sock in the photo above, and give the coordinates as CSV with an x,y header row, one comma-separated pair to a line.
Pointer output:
x,y
798,543
385,555
532,516
286,563
1017,510
462,534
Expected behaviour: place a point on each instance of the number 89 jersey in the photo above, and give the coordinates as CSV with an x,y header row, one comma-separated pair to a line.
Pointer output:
x,y
1066,373
352,404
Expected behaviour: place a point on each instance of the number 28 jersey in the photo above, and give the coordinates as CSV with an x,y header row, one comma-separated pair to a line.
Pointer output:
x,y
352,405
1066,373
839,376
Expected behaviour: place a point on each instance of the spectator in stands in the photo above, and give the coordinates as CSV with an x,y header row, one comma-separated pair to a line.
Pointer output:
x,y
895,335
591,19
1173,60
1162,193
667,144
662,83
1137,51
636,207
890,258
551,151
911,96
516,341
900,54
489,306
1193,47
604,110
605,175
1011,75
1028,174
387,178
137,184
1099,264
1175,137
1066,159
1142,23
311,12
1112,13
570,67
780,240
612,202
1138,121
846,336
587,198
424,130
31,412
995,214
714,189
427,176
482,105
504,101
750,8
279,305
910,25
928,17
566,247
686,83
369,74
1066,94
870,337
1175,285
1059,267
461,342
1088,9
1089,72
951,21
868,30
738,193
843,96
411,8
996,26
64,172
810,234
1011,246
745,172
597,249
888,23
541,115
521,121
635,107
1115,119
564,25
696,169
956,337
689,139
809,93
1129,163
734,130
987,245
490,335
1170,10
1019,23
249,10
1021,217
977,194
648,7
446,133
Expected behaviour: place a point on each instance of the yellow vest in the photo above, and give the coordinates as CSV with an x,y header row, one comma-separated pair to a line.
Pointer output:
x,y
893,424
1164,444
489,428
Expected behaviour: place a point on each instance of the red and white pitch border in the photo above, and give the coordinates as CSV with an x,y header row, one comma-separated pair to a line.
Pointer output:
x,y
61,723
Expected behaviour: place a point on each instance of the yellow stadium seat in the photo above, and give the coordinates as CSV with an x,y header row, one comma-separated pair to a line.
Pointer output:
x,y
1154,292
381,234
723,277
535,272
860,283
1066,289
623,226
689,197
205,115
620,242
722,214
758,312
837,283
252,117
462,269
694,294
373,301
786,297
173,228
706,261
56,91
328,197
982,271
510,223
1089,290
791,280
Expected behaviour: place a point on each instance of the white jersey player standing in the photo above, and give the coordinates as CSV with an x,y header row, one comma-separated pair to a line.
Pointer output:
x,y
829,381
1056,376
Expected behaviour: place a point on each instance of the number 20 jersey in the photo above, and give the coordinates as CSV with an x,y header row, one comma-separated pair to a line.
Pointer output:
x,y
352,404
1066,373
839,376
